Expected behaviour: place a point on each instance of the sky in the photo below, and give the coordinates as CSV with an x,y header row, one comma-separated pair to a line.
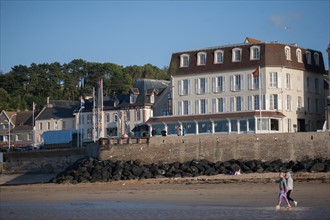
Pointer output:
x,y
141,32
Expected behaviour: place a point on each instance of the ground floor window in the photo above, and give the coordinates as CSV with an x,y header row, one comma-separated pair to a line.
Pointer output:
x,y
172,128
252,124
189,127
274,124
221,126
243,126
204,127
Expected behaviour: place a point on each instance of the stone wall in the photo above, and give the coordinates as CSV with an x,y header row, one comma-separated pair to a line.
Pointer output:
x,y
45,161
268,147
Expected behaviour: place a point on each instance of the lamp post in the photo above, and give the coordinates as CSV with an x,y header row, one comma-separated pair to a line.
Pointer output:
x,y
79,138
9,122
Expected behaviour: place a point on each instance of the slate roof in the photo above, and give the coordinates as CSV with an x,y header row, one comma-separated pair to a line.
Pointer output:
x,y
57,109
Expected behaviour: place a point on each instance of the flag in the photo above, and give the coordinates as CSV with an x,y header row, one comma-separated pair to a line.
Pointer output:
x,y
255,73
82,101
33,106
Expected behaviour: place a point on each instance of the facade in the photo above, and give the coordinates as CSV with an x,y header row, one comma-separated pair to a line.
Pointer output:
x,y
15,129
254,87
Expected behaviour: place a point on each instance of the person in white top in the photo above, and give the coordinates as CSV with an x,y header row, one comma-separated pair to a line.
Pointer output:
x,y
289,181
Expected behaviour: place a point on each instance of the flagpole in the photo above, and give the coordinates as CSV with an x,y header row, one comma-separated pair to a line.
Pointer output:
x,y
260,99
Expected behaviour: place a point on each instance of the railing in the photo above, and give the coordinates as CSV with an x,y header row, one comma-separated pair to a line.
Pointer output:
x,y
123,140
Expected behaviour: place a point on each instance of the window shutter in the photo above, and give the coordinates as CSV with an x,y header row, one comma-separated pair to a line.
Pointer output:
x,y
214,84
224,104
250,103
189,108
267,102
214,105
232,83
196,106
189,87
232,104
206,85
242,82
180,87
196,86
242,103
179,108
223,83
206,106
279,101
250,81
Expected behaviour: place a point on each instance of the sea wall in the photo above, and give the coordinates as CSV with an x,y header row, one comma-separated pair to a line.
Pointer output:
x,y
45,161
267,147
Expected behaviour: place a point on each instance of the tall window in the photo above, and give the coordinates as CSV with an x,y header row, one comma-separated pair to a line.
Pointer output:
x,y
138,115
288,81
236,83
288,102
256,102
237,55
186,107
218,56
287,53
299,56
184,60
203,103
239,103
273,102
253,82
232,104
255,53
48,125
201,58
218,84
221,104
299,102
184,87
273,79
201,86
317,85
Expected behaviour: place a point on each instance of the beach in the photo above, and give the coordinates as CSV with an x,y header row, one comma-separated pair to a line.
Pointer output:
x,y
246,196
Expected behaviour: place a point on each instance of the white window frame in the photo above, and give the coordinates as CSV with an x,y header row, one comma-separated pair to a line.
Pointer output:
x,y
273,101
274,80
255,53
218,84
201,59
222,104
288,102
186,107
234,53
288,81
184,60
237,82
299,55
287,52
198,86
217,59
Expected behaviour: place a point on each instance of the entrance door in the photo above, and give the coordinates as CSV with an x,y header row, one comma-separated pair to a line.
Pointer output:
x,y
301,125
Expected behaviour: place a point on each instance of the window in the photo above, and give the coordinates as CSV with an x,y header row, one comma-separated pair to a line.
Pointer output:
x,y
232,104
132,98
273,80
237,55
184,87
288,81
239,104
186,107
253,82
308,57
201,58
287,51
196,107
29,136
308,83
40,126
152,98
203,104
179,107
316,59
63,124
218,84
236,83
299,57
317,85
288,102
273,102
138,115
299,102
201,86
128,115
107,116
48,125
221,104
255,53
184,60
19,137
218,56
256,102
89,119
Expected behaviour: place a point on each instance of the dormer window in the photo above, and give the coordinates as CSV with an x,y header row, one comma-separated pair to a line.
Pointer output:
x,y
201,58
133,95
184,60
218,56
308,57
316,59
255,53
152,98
237,55
299,56
287,52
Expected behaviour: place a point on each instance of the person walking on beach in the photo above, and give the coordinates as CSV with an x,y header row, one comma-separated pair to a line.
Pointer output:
x,y
289,181
283,190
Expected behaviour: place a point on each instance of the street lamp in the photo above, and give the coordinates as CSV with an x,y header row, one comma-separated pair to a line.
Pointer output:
x,y
79,138
9,122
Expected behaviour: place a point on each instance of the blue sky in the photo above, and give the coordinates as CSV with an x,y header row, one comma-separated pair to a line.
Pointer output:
x,y
141,32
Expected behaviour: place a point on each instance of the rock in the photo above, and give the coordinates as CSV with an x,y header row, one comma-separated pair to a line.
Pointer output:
x,y
318,167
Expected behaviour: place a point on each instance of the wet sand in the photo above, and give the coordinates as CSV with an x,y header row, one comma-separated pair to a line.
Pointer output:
x,y
248,196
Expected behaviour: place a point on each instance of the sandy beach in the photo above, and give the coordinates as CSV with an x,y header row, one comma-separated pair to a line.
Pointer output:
x,y
247,196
